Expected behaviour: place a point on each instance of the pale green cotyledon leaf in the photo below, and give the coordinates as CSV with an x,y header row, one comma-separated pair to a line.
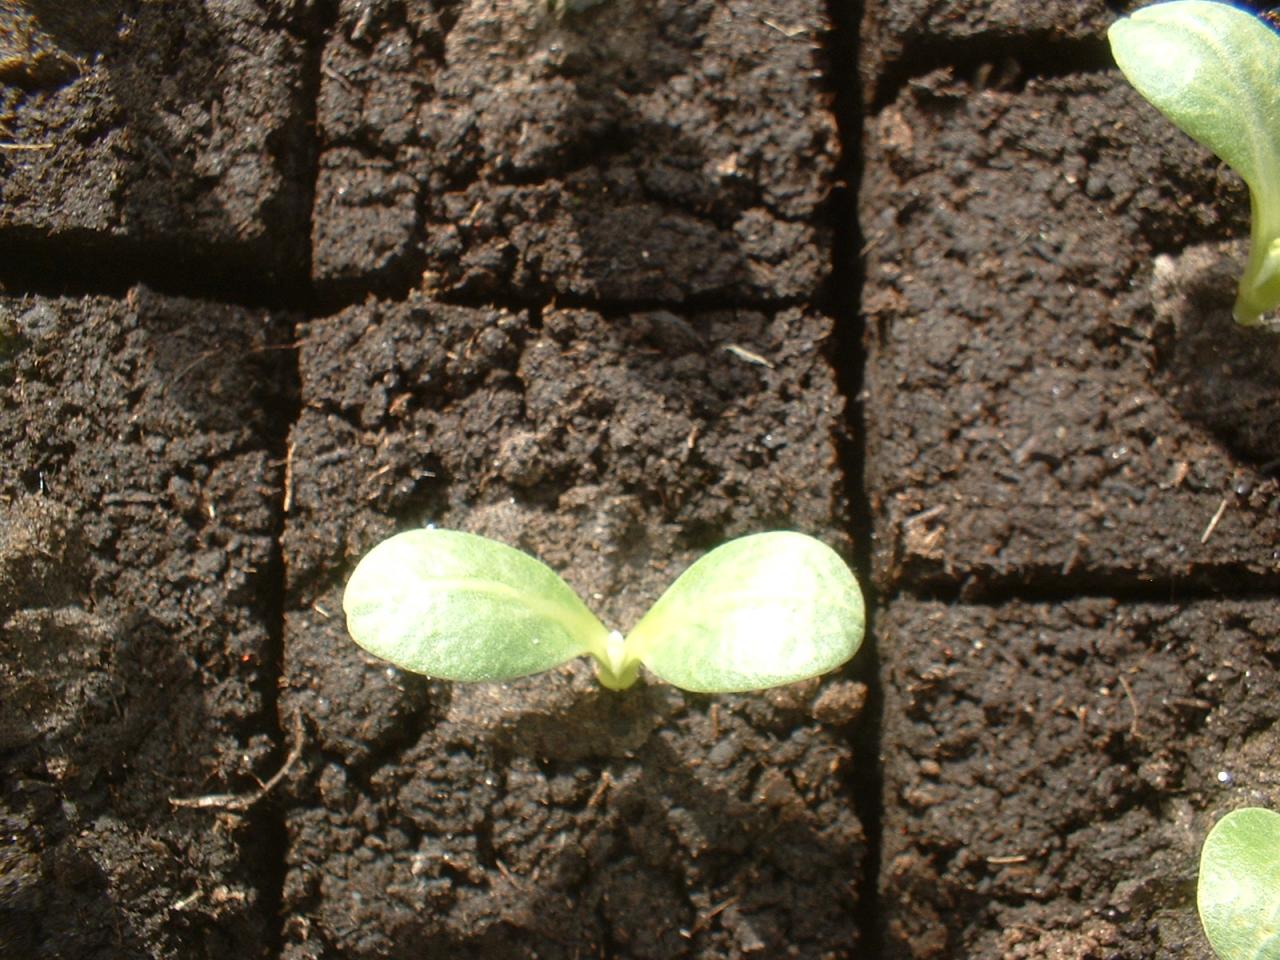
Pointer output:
x,y
462,607
756,612
1214,70
1238,893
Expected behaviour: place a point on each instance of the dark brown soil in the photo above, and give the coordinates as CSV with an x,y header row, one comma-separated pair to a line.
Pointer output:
x,y
1071,460
281,277
136,557
1064,434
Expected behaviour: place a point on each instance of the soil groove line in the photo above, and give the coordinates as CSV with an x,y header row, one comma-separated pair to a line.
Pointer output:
x,y
989,60
1216,584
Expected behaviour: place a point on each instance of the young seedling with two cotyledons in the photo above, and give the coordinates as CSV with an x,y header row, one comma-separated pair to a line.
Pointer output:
x,y
757,612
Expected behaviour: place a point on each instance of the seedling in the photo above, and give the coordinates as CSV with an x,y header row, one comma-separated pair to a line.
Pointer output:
x,y
1239,889
1212,69
757,612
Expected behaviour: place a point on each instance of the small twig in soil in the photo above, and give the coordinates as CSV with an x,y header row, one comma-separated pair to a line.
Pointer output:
x,y
606,781
742,353
287,503
506,872
704,919
344,81
1213,524
1134,731
241,802
789,32
218,895
924,516
1012,858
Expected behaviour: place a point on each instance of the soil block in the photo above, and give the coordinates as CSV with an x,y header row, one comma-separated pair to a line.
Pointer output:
x,y
1051,770
1047,407
630,152
163,140
1071,444
581,276
549,817
139,505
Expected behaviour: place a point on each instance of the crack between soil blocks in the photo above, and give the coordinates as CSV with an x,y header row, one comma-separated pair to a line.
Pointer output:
x,y
270,819
843,296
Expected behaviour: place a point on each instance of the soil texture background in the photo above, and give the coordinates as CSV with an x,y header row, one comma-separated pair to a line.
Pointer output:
x,y
279,278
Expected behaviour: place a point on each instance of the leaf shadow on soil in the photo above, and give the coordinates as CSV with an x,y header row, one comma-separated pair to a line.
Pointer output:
x,y
166,76
565,157
651,224
675,843
224,366
1218,374
89,701
86,811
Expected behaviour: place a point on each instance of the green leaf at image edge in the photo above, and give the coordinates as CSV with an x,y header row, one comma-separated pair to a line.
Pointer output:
x,y
1214,70
458,606
757,612
1238,894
